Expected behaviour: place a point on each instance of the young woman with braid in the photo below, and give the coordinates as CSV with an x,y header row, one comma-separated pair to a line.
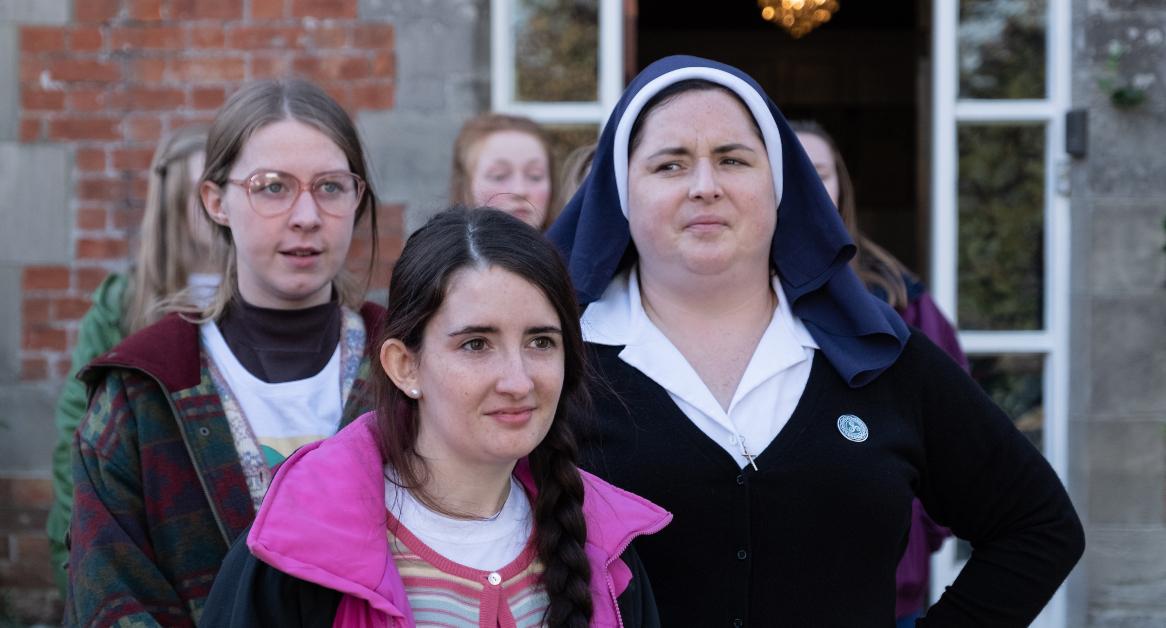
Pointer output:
x,y
457,502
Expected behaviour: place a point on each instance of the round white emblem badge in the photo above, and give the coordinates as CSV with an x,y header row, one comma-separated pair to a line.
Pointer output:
x,y
852,428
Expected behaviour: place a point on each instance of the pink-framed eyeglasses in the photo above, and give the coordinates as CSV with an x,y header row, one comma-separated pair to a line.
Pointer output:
x,y
272,192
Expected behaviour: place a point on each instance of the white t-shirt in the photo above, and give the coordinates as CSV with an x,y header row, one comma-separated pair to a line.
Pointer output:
x,y
202,287
765,398
285,415
487,545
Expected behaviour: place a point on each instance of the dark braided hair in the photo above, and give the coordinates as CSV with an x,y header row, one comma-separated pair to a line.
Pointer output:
x,y
560,530
462,238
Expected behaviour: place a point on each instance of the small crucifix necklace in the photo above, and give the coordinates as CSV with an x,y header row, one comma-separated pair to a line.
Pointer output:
x,y
745,452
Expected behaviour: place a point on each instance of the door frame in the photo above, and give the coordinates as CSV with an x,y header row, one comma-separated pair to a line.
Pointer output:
x,y
1052,341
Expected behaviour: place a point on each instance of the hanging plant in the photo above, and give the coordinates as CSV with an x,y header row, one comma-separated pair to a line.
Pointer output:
x,y
1124,92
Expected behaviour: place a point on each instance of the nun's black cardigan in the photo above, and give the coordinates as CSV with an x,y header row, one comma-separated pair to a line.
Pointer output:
x,y
813,537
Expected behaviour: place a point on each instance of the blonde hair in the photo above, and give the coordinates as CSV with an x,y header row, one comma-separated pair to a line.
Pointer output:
x,y
477,129
166,249
576,167
873,264
251,108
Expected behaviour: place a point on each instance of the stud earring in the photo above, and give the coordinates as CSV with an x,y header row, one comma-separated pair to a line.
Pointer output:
x,y
414,393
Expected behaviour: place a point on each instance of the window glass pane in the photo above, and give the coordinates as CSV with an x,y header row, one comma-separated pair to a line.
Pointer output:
x,y
564,139
567,137
1015,383
1001,227
556,50
1002,48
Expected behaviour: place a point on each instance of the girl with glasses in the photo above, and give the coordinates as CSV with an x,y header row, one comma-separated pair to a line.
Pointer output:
x,y
457,503
188,416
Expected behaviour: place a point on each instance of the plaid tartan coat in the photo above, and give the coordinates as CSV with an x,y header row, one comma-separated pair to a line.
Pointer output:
x,y
159,490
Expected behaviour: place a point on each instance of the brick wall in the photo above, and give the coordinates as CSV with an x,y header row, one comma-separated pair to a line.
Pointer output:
x,y
126,72
107,83
27,592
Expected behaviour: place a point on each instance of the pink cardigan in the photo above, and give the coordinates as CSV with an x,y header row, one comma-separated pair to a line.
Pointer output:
x,y
323,520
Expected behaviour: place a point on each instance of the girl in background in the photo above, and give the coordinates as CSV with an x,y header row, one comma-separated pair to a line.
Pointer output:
x,y
174,256
457,503
884,275
505,161
887,278
188,416
576,167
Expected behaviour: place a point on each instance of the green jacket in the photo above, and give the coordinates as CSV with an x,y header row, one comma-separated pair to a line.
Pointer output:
x,y
159,490
99,332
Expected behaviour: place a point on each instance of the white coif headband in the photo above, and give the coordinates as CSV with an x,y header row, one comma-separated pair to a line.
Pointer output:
x,y
753,100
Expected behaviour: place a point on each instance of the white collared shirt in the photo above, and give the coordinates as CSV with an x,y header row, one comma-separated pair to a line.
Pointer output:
x,y
765,398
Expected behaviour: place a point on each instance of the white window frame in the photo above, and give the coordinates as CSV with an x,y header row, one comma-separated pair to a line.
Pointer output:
x,y
1053,340
610,81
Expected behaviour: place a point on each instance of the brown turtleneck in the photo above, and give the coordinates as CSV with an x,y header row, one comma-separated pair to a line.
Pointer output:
x,y
282,345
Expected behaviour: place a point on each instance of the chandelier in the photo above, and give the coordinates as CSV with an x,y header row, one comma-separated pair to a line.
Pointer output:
x,y
798,16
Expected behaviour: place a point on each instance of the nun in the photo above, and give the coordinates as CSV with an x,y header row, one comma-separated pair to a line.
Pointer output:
x,y
751,385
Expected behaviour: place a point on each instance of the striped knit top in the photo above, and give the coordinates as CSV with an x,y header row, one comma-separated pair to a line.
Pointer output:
x,y
450,595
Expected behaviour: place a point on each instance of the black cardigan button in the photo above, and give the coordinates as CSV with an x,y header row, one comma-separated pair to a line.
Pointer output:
x,y
741,554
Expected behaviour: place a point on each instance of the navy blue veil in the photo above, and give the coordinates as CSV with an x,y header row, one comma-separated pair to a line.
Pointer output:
x,y
860,335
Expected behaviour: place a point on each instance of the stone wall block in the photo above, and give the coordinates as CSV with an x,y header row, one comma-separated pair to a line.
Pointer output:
x,y
35,11
1125,499
10,306
442,78
419,176
1125,619
1130,447
9,82
1081,350
35,606
1108,7
26,444
468,92
461,10
1128,255
424,92
1128,362
432,47
1137,41
1127,568
1119,165
443,61
34,199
